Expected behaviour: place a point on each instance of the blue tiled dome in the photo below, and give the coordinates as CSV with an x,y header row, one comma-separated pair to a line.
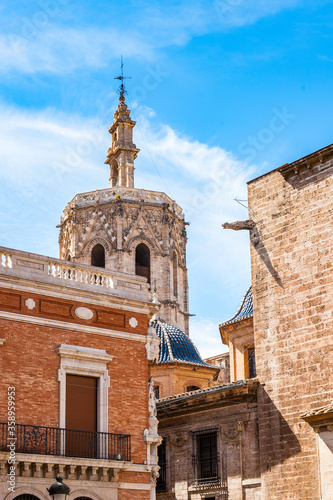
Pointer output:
x,y
245,309
175,345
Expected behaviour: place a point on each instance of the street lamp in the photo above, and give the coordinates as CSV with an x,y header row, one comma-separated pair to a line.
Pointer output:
x,y
59,490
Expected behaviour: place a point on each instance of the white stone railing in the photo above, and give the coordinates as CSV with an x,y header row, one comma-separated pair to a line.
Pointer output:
x,y
5,259
39,267
104,195
79,274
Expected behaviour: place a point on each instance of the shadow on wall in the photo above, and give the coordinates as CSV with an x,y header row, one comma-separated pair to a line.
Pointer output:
x,y
263,254
276,439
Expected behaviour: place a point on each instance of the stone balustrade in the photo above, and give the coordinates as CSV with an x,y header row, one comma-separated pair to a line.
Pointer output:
x,y
126,194
34,266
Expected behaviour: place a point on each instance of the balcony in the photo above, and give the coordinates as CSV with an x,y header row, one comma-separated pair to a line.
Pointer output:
x,y
33,439
210,484
27,265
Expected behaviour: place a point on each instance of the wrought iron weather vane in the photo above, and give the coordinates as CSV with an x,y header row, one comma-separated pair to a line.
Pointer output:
x,y
122,91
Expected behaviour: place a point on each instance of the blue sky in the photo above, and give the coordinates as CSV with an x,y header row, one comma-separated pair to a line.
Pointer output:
x,y
222,91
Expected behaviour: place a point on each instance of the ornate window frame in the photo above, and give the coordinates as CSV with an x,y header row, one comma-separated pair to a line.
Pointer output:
x,y
89,362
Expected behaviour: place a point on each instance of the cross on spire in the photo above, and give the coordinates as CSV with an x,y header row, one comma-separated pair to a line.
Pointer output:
x,y
121,91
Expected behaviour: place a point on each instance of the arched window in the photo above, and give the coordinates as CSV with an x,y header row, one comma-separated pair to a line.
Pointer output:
x,y
175,275
114,174
98,256
142,261
26,496
190,388
82,498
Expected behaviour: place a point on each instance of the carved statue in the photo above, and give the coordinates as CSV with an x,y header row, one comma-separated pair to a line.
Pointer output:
x,y
152,345
151,401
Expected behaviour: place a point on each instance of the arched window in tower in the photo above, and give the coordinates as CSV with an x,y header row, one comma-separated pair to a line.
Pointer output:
x,y
98,256
114,174
142,261
175,273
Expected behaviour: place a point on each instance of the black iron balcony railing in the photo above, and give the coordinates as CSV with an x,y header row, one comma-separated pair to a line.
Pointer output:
x,y
213,483
39,440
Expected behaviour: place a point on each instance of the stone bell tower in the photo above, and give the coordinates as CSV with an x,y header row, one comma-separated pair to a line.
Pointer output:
x,y
130,230
123,152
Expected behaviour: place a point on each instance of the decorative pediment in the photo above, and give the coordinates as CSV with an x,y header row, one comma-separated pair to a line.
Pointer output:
x,y
142,227
98,230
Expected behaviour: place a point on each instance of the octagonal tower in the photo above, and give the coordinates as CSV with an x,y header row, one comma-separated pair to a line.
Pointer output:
x,y
130,230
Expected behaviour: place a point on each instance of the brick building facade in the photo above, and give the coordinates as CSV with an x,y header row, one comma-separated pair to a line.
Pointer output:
x,y
60,324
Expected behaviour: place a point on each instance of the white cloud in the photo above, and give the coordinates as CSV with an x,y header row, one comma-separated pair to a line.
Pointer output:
x,y
64,50
39,148
41,43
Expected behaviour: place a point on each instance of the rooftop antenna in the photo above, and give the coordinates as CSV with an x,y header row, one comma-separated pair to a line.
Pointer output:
x,y
122,91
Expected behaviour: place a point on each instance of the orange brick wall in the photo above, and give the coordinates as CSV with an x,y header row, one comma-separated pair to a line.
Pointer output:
x,y
137,477
292,260
29,362
133,495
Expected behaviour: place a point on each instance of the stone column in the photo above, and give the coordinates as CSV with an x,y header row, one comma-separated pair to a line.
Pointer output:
x,y
233,445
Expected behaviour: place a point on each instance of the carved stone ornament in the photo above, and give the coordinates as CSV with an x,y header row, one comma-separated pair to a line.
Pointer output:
x,y
239,225
133,322
152,432
84,313
179,439
30,304
152,345
233,429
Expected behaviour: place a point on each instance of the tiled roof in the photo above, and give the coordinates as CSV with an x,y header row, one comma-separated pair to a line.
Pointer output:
x,y
245,309
323,410
175,345
220,393
208,390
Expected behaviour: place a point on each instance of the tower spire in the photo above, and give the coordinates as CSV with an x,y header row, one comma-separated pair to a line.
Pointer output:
x,y
122,91
123,151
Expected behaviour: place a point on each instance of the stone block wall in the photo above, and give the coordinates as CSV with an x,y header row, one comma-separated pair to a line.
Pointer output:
x,y
292,260
234,420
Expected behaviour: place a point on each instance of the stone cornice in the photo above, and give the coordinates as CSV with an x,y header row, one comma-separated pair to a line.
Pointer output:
x,y
50,289
238,392
306,162
73,326
225,330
